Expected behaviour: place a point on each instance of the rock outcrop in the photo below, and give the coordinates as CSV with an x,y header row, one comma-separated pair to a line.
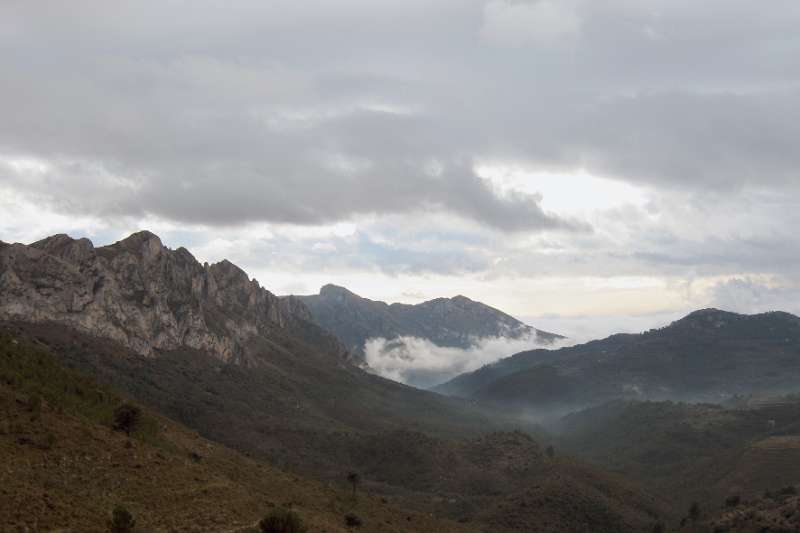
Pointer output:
x,y
146,296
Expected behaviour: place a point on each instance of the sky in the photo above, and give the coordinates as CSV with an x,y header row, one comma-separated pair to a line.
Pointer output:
x,y
586,166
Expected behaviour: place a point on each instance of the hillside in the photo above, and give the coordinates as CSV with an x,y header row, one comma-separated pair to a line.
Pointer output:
x,y
775,512
65,467
692,452
452,322
709,355
502,480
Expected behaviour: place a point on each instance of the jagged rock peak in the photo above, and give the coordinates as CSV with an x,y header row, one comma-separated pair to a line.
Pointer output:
x,y
146,296
140,242
227,273
66,248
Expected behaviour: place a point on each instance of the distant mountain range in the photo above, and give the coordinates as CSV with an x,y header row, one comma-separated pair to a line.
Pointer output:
x,y
452,322
709,355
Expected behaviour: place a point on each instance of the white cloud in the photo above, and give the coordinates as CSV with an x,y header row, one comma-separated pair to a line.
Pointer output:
x,y
421,363
518,22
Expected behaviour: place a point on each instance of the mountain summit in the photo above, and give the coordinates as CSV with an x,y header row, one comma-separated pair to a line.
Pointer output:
x,y
451,322
147,297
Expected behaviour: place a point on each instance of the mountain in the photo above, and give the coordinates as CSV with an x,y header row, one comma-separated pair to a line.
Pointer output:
x,y
156,322
708,355
147,297
453,322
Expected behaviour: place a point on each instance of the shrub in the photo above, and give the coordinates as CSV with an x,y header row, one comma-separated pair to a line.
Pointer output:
x,y
733,501
550,451
659,528
35,406
694,512
122,521
127,418
791,490
351,520
48,441
354,479
282,521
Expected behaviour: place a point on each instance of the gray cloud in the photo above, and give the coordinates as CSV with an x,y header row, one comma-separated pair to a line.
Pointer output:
x,y
306,113
313,113
748,295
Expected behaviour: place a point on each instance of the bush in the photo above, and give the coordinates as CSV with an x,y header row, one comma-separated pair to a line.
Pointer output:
x,y
354,479
127,418
48,441
282,521
122,521
791,490
694,512
550,451
351,520
35,406
733,501
659,528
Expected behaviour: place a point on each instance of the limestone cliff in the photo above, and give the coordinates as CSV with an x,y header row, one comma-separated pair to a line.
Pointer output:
x,y
146,296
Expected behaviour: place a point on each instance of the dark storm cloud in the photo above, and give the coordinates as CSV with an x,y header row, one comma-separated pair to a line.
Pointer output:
x,y
310,113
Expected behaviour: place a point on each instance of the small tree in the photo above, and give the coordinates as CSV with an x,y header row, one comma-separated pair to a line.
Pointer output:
x,y
35,406
354,479
127,418
694,512
122,521
352,520
550,451
282,521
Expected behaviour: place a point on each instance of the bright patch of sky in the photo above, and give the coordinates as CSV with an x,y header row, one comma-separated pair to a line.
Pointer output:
x,y
576,193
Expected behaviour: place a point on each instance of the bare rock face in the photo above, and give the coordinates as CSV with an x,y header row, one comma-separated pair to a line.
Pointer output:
x,y
145,296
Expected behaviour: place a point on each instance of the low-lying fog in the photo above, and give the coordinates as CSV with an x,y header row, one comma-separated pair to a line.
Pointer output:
x,y
421,363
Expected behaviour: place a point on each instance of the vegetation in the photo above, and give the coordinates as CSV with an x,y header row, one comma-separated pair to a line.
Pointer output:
x,y
354,479
127,418
707,354
694,512
68,467
352,520
733,501
282,520
122,521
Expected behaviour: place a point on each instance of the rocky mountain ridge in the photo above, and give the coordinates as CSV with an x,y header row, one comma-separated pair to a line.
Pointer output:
x,y
146,296
452,322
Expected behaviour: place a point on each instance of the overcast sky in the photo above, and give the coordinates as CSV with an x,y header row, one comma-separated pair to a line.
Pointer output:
x,y
587,165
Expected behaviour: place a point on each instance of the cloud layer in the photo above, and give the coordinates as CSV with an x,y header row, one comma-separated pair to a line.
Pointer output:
x,y
351,142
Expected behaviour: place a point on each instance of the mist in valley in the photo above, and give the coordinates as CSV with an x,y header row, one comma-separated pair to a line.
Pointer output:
x,y
423,364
